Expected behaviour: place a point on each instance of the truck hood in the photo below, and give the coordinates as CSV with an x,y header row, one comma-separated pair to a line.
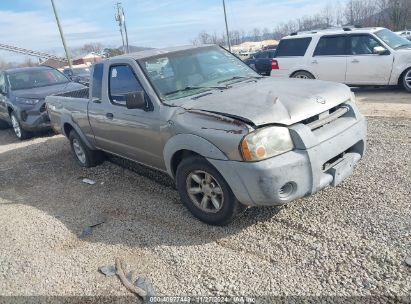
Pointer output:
x,y
271,101
43,92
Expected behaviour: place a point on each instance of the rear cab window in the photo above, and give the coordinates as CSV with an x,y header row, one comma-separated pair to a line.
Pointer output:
x,y
96,87
331,46
293,47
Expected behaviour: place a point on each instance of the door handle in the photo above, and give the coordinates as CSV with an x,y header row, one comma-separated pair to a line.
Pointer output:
x,y
96,100
314,61
355,61
110,115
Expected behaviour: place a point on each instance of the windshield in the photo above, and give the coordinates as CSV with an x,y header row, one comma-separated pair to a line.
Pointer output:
x,y
35,78
393,40
81,71
181,74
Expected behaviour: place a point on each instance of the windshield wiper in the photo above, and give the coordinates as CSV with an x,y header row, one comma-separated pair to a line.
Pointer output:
x,y
240,78
190,88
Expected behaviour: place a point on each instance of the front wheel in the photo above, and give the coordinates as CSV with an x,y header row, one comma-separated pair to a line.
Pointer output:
x,y
303,75
17,128
406,81
205,193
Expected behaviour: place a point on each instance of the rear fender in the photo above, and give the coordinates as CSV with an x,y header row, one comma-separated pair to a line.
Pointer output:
x,y
66,119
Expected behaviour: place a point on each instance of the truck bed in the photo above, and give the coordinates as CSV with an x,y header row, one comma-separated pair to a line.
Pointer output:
x,y
68,107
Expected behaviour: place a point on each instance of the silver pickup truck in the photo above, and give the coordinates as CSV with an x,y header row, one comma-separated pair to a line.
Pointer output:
x,y
227,136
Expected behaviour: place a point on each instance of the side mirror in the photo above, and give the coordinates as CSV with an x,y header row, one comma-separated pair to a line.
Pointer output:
x,y
136,100
380,50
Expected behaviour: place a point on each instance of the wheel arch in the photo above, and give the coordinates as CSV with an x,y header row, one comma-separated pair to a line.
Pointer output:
x,y
302,70
67,125
185,145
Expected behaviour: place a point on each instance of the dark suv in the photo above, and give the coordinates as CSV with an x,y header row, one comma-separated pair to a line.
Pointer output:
x,y
262,62
22,94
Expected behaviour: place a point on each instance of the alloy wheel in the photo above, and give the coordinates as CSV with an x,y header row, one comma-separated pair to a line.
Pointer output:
x,y
78,150
407,79
16,126
204,191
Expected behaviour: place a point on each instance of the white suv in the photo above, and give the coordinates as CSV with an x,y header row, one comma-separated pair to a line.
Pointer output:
x,y
372,56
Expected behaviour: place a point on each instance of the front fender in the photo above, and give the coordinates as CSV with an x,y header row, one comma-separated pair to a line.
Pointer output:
x,y
192,143
397,72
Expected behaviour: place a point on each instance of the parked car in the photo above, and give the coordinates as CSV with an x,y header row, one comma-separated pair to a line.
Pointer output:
x,y
228,137
373,56
405,34
22,94
262,62
78,74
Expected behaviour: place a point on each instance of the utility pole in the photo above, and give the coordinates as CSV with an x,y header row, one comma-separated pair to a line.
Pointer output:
x,y
125,29
120,18
226,27
62,34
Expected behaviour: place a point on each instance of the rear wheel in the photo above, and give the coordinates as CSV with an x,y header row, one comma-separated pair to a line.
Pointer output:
x,y
84,156
302,75
406,80
17,128
205,193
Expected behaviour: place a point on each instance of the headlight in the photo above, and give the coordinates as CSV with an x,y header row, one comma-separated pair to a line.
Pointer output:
x,y
265,143
27,101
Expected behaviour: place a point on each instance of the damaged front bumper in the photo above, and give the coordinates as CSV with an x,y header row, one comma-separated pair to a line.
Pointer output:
x,y
318,161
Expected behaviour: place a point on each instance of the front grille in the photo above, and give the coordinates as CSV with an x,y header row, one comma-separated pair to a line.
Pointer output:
x,y
318,121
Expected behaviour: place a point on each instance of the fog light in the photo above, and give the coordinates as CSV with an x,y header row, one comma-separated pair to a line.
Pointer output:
x,y
287,190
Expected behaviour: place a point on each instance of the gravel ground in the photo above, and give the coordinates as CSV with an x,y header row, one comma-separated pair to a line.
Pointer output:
x,y
352,240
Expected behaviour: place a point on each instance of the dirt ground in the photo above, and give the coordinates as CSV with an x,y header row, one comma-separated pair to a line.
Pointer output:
x,y
351,240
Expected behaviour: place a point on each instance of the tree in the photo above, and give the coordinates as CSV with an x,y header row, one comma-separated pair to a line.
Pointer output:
x,y
111,52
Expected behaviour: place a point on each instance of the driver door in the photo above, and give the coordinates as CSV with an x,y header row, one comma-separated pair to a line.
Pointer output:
x,y
130,133
363,66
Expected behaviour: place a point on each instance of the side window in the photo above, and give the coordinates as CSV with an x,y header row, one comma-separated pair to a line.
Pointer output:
x,y
121,82
363,45
331,46
293,47
97,81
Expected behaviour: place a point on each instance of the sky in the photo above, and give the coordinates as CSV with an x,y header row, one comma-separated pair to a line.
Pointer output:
x,y
153,23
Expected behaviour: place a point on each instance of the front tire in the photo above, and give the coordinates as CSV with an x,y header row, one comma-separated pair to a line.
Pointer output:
x,y
17,128
84,156
205,193
302,75
406,81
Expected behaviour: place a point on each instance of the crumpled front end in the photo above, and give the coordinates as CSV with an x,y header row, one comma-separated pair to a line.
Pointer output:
x,y
324,155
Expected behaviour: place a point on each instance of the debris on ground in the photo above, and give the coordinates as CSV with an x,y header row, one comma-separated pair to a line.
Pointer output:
x,y
88,181
408,261
142,287
89,229
108,271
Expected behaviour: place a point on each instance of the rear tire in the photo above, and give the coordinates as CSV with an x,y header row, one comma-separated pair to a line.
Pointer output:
x,y
18,129
406,81
84,156
302,75
205,193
